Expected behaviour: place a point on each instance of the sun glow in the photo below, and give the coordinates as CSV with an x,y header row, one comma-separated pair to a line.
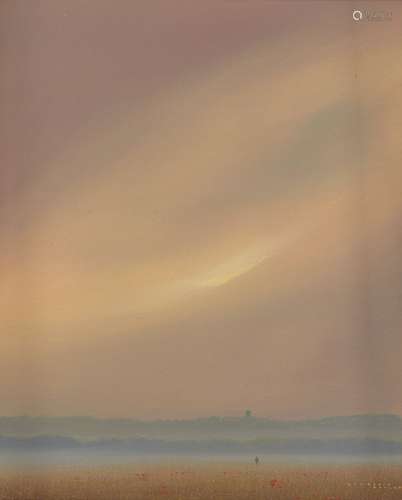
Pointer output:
x,y
233,268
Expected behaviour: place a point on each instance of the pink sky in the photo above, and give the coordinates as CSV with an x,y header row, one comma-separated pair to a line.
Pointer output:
x,y
200,208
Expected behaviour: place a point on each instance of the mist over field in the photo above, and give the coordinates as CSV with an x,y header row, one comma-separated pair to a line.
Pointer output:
x,y
91,440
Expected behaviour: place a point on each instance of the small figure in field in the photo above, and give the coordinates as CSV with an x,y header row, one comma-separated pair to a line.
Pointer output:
x,y
256,460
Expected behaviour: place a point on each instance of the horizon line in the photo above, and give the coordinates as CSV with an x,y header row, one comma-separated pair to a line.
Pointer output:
x,y
231,417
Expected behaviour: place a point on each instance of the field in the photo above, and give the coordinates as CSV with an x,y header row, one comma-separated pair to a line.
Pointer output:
x,y
204,482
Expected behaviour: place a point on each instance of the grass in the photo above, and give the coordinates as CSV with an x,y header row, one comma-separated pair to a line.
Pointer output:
x,y
204,482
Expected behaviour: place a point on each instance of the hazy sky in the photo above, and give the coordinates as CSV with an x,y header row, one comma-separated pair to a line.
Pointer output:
x,y
200,208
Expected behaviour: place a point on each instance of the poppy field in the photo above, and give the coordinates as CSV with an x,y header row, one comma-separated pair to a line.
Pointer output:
x,y
205,482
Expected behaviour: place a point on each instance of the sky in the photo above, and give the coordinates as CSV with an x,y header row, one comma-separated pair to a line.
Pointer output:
x,y
200,208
